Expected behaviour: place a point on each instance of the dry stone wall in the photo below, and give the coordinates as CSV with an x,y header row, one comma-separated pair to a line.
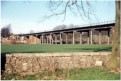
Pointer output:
x,y
26,63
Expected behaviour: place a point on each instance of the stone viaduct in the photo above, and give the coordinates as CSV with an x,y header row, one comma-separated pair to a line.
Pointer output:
x,y
62,36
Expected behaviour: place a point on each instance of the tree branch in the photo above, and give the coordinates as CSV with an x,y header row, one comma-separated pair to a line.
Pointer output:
x,y
60,2
70,4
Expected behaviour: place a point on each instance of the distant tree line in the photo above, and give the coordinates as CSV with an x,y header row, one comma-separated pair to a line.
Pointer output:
x,y
61,27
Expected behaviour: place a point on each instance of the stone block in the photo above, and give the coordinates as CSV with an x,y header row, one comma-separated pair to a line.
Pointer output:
x,y
24,66
98,63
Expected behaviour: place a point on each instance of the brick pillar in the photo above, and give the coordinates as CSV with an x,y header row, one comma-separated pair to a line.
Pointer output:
x,y
42,39
66,38
99,36
80,37
60,38
88,37
55,39
73,37
91,42
47,38
50,38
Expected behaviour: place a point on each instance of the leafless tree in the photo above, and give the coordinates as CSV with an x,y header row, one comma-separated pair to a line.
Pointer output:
x,y
6,31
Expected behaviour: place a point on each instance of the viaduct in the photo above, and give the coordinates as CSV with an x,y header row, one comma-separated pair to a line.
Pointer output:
x,y
62,36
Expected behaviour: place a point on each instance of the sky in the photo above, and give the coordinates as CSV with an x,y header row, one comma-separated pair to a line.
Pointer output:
x,y
25,16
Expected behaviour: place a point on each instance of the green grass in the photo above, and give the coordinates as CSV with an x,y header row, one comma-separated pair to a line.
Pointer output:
x,y
93,73
46,48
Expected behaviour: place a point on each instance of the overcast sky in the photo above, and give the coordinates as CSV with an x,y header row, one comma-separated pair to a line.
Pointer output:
x,y
25,16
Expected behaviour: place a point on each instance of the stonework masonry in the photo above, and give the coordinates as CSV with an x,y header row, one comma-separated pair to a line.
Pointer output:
x,y
32,63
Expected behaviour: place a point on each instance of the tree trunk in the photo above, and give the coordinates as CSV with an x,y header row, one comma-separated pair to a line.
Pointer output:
x,y
115,56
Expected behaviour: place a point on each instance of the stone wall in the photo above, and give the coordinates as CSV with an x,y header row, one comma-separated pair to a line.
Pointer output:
x,y
26,63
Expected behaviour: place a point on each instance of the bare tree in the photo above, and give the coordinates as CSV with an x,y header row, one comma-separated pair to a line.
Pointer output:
x,y
6,31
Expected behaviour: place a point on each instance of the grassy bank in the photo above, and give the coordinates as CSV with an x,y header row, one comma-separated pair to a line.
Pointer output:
x,y
38,48
93,73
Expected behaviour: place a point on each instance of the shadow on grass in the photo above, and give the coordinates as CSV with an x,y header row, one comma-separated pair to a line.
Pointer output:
x,y
32,52
98,49
24,52
3,62
108,49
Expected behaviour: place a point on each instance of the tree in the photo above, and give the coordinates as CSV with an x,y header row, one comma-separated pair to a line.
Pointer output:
x,y
71,26
60,27
6,31
115,56
31,31
84,9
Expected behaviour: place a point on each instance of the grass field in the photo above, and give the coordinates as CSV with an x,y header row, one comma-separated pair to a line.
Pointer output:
x,y
46,48
93,73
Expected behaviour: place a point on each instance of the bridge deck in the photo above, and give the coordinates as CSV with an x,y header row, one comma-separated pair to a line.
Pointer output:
x,y
86,28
